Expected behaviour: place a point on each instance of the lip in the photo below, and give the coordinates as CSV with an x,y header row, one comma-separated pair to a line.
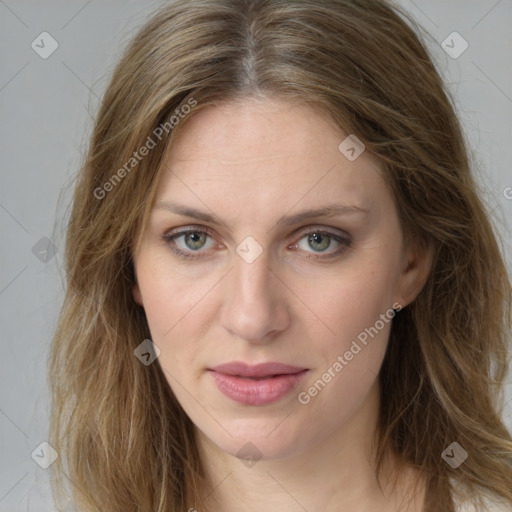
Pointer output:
x,y
259,384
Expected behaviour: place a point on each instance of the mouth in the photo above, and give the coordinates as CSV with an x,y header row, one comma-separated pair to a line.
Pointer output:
x,y
259,384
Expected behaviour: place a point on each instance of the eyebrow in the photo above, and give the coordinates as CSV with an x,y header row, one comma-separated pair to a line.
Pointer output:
x,y
332,210
186,211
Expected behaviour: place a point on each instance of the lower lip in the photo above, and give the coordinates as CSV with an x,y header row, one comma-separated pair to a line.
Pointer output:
x,y
256,392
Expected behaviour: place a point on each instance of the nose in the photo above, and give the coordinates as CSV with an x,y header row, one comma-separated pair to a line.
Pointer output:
x,y
255,307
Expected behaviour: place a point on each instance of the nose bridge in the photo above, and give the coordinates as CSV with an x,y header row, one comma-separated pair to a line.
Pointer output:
x,y
254,305
252,289
253,275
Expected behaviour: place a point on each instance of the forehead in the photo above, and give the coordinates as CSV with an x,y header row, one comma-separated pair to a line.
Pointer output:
x,y
268,153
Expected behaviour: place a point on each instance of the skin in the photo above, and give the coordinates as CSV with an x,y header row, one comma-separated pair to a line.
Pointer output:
x,y
250,164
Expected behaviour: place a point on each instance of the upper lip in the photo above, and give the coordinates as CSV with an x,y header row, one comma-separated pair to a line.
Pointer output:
x,y
238,368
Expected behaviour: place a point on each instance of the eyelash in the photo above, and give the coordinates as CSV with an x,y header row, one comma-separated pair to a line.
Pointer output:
x,y
344,241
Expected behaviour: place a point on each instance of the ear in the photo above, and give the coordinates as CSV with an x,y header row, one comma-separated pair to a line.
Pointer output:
x,y
137,296
136,293
416,267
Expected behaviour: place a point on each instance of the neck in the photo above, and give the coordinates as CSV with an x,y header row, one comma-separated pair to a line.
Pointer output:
x,y
336,474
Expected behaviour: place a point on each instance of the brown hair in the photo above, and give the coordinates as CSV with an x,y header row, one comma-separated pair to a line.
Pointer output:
x,y
124,441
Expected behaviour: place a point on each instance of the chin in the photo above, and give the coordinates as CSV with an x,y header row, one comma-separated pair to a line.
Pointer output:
x,y
258,439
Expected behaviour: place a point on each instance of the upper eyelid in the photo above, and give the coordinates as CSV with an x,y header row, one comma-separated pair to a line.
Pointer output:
x,y
189,229
304,230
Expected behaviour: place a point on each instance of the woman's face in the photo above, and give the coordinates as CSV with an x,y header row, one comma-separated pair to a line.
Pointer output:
x,y
268,273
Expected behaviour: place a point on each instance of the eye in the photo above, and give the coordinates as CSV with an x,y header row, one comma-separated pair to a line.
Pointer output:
x,y
319,242
194,240
187,242
322,243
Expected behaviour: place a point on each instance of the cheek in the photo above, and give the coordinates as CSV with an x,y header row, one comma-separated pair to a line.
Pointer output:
x,y
169,310
171,298
354,298
356,305
348,361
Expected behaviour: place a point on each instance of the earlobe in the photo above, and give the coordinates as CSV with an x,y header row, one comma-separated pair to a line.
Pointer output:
x,y
416,270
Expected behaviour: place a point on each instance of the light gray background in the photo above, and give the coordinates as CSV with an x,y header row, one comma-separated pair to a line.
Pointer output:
x,y
45,111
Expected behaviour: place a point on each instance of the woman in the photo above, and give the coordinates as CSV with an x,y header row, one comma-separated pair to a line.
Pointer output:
x,y
283,290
